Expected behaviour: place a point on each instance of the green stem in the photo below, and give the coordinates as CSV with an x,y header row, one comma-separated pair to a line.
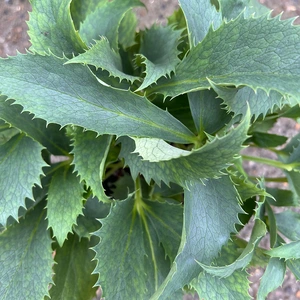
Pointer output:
x,y
270,162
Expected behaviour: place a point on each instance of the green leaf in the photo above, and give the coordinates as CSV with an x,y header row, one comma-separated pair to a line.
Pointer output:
x,y
288,223
267,140
210,213
246,188
139,235
234,287
294,158
26,258
105,21
127,30
294,266
282,197
237,100
51,28
272,226
218,58
232,8
71,95
64,202
204,162
244,259
80,9
200,16
74,265
90,154
179,108
286,251
89,222
275,271
51,136
208,114
159,53
102,56
20,169
7,133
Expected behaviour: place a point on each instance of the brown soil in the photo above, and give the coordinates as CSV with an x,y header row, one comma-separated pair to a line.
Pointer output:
x,y
13,38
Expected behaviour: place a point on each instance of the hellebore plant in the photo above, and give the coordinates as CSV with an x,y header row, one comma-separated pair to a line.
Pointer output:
x,y
120,152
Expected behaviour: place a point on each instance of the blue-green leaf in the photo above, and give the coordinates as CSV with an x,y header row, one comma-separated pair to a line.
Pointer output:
x,y
90,153
181,166
210,213
65,202
244,259
288,223
51,28
140,234
234,287
26,258
158,53
102,56
51,136
272,278
286,251
20,169
70,94
200,16
237,100
105,21
271,43
74,264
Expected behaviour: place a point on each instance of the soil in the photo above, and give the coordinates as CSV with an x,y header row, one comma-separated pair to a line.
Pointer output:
x,y
13,38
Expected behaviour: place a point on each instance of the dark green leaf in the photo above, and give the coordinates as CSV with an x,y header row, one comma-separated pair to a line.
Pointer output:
x,y
275,271
208,114
102,56
158,53
179,108
218,58
234,287
139,234
51,28
200,16
210,213
20,169
204,162
64,203
288,223
105,21
26,258
71,95
73,279
88,223
90,154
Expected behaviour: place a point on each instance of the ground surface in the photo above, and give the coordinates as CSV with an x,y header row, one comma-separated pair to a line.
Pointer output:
x,y
13,37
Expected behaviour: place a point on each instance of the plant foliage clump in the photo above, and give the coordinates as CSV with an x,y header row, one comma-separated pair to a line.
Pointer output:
x,y
120,152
